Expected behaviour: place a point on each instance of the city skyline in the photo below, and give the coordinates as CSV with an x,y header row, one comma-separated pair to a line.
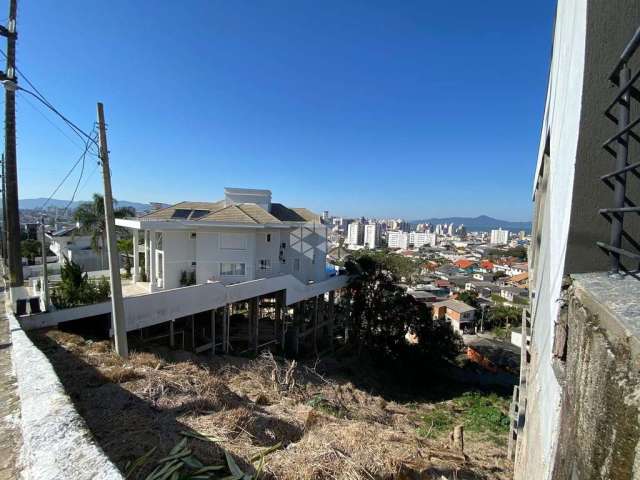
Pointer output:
x,y
299,99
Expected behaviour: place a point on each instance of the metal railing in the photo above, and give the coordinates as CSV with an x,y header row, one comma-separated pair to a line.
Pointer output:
x,y
618,147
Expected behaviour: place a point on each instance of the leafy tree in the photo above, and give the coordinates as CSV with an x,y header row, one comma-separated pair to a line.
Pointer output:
x,y
91,218
76,289
397,266
382,314
30,249
502,315
470,298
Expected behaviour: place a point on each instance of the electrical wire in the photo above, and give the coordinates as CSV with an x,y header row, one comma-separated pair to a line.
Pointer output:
x,y
81,159
73,197
37,109
41,98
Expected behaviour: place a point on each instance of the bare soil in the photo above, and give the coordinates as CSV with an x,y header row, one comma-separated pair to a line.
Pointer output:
x,y
324,426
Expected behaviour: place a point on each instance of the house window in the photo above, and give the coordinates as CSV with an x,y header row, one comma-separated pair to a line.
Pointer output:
x,y
296,264
268,237
193,235
265,264
232,269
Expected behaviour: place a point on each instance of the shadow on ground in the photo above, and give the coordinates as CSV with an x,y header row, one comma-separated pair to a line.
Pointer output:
x,y
122,424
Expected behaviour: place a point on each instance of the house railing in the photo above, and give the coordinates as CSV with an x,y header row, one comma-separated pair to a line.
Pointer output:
x,y
618,147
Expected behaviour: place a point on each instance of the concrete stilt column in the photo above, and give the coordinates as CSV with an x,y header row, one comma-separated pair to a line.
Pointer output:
x,y
193,333
152,260
172,338
136,259
254,327
332,316
146,253
279,321
213,332
225,329
315,323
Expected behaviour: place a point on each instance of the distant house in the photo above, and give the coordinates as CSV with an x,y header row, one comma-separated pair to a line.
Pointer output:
x,y
465,265
486,266
512,294
460,314
521,280
485,277
71,245
518,269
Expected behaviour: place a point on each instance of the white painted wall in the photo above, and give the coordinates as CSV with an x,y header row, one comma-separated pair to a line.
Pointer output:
x,y
537,444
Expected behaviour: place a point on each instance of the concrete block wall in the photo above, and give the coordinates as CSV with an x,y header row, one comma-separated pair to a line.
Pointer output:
x,y
599,431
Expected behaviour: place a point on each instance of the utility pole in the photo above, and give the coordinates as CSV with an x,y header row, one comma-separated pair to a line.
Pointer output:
x,y
45,273
117,305
14,258
4,215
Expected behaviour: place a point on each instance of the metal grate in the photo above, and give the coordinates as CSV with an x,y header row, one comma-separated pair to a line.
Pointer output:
x,y
618,147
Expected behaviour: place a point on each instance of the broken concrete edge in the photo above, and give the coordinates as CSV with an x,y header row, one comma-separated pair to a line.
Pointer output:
x,y
56,441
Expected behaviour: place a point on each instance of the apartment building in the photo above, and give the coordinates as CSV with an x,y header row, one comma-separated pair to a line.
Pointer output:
x,y
499,237
372,235
398,239
355,234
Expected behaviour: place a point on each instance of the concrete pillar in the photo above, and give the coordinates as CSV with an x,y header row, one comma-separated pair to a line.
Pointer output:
x,y
213,332
146,253
136,260
315,324
254,327
152,260
172,338
225,329
332,316
193,333
279,320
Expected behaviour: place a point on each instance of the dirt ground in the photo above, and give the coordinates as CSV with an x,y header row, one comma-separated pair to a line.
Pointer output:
x,y
275,418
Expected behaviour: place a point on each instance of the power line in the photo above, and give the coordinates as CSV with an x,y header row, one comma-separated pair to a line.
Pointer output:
x,y
33,105
73,197
81,159
41,98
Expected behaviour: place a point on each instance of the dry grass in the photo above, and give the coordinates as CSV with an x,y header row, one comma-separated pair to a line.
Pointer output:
x,y
328,429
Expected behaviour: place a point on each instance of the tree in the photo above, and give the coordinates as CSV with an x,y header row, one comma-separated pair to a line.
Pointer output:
x,y
30,249
91,218
381,315
502,316
470,298
75,288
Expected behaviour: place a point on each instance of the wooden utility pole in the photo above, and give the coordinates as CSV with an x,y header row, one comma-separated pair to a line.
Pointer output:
x,y
45,273
14,258
117,305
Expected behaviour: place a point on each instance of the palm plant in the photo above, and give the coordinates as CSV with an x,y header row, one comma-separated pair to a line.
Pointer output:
x,y
90,215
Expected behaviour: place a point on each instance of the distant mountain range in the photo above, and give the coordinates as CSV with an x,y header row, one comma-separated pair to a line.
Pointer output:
x,y
481,223
36,203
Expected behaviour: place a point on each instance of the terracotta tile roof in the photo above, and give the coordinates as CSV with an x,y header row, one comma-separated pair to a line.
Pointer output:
x,y
464,264
486,264
521,277
242,213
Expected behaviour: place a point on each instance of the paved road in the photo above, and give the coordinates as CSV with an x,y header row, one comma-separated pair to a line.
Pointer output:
x,y
9,403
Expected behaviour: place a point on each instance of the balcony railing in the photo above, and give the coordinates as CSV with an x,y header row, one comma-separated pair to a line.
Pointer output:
x,y
619,111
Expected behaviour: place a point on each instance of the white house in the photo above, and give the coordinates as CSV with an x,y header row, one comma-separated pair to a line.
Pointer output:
x,y
69,244
240,238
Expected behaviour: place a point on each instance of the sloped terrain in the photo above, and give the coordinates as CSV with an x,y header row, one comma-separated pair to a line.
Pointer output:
x,y
273,418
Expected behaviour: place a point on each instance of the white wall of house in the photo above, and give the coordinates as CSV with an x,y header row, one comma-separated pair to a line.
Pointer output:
x,y
211,252
561,126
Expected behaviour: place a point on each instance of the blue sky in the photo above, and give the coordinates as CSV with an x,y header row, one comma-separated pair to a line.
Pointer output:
x,y
411,109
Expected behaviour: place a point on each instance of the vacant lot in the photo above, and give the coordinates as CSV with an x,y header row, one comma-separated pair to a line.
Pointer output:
x,y
169,414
